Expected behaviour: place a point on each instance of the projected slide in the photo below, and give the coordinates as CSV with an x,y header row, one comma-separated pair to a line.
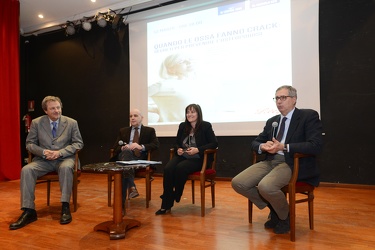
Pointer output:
x,y
229,59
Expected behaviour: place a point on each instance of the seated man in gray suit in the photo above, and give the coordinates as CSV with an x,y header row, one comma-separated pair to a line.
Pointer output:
x,y
53,140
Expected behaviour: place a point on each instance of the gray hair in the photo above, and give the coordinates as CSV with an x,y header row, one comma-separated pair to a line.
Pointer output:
x,y
49,99
291,90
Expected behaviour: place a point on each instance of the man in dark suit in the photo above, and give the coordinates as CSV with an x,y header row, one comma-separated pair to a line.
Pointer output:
x,y
300,132
127,147
53,140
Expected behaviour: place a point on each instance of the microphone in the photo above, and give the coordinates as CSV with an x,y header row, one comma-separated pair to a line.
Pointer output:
x,y
274,126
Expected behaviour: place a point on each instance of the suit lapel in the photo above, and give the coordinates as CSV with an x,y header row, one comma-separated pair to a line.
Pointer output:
x,y
46,126
293,125
127,133
141,134
62,126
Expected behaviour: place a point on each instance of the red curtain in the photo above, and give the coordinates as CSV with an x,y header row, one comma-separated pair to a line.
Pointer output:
x,y
10,145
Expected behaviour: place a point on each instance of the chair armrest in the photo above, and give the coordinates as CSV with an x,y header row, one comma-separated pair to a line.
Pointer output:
x,y
149,155
210,151
206,153
171,153
296,157
76,161
258,157
205,157
29,157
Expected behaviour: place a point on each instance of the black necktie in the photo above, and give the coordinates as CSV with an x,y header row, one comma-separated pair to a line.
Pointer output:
x,y
54,129
281,131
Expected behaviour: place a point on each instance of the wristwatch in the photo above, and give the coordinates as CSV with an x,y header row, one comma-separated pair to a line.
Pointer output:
x,y
285,148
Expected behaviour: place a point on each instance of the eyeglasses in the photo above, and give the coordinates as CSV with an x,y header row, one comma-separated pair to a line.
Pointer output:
x,y
282,98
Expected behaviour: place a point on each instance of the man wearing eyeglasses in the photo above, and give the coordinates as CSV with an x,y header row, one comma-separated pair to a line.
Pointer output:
x,y
294,130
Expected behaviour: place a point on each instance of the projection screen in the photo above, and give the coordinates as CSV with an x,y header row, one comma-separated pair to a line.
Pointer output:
x,y
227,56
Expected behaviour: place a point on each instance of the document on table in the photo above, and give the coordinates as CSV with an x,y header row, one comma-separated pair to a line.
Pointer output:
x,y
138,162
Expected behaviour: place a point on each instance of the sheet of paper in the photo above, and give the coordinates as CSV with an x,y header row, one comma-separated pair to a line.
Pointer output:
x,y
138,162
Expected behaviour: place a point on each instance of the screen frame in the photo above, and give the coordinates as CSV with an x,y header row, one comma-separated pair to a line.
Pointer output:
x,y
305,61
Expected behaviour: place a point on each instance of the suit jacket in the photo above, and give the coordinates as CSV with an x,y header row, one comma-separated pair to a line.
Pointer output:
x,y
204,138
68,137
147,138
304,136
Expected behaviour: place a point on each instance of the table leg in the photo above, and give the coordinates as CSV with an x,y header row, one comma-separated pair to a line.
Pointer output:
x,y
118,226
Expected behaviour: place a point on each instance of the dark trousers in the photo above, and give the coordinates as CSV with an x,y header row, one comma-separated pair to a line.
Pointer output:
x,y
175,175
128,182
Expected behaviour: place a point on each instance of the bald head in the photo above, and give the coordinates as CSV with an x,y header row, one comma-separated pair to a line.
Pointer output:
x,y
135,117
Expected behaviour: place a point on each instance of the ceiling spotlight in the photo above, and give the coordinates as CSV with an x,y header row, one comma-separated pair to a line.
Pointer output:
x,y
101,21
69,29
115,21
86,25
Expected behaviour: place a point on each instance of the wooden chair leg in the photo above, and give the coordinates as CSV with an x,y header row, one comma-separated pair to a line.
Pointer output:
x,y
292,215
75,191
213,192
109,190
148,189
311,209
203,197
151,180
192,191
250,211
48,191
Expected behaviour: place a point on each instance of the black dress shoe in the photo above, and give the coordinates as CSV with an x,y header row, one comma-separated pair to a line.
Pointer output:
x,y
28,216
177,197
273,219
162,211
282,227
66,217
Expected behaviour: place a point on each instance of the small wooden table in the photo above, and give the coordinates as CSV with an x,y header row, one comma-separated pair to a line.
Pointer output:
x,y
117,227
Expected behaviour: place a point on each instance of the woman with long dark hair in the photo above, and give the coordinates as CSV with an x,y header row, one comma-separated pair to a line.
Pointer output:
x,y
194,136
